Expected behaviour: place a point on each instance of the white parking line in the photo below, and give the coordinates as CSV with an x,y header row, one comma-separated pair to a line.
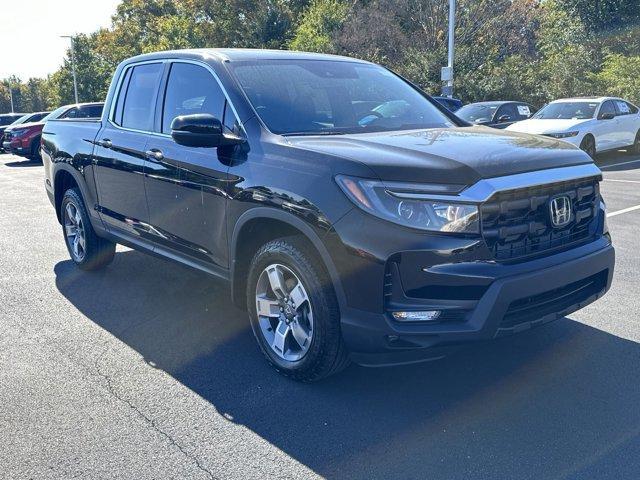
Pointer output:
x,y
621,181
618,164
624,210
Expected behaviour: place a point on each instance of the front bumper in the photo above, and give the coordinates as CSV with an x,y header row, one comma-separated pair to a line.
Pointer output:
x,y
15,147
518,298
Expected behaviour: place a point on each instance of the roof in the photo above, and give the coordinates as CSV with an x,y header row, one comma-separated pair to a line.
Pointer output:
x,y
241,54
582,99
494,103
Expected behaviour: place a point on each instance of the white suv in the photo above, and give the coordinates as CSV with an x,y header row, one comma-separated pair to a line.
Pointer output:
x,y
594,124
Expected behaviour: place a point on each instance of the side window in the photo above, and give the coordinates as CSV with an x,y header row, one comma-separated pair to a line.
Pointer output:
x,y
191,89
510,110
71,113
230,121
139,103
122,93
622,107
632,108
607,107
524,111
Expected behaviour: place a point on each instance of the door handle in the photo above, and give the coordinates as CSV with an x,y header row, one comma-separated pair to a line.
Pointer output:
x,y
105,143
155,154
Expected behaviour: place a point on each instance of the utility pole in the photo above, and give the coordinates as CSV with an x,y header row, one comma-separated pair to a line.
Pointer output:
x,y
73,66
447,72
11,96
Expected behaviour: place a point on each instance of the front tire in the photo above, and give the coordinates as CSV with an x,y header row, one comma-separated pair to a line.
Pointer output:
x,y
87,250
588,144
294,311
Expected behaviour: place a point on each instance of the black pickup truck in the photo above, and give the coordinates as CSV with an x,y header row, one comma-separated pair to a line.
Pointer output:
x,y
355,218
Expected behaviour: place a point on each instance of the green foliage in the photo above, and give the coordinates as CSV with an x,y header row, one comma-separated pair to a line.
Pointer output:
x,y
320,22
532,50
620,76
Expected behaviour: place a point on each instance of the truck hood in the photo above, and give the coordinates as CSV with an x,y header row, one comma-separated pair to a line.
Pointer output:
x,y
461,155
544,125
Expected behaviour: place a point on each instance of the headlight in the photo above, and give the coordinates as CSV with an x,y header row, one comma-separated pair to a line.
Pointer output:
x,y
409,205
562,135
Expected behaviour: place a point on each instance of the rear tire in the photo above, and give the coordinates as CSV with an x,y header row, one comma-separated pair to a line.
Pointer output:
x,y
635,148
35,151
302,311
87,250
588,144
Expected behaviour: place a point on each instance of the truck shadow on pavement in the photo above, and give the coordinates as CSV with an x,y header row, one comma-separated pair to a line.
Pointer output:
x,y
557,402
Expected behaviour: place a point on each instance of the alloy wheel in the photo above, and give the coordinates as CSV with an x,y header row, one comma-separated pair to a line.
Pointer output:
x,y
284,312
74,232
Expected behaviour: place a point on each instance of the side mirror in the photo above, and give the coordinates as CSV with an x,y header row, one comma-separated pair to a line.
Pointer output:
x,y
200,130
504,118
607,116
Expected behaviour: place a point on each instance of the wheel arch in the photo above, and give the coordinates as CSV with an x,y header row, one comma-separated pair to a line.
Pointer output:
x,y
66,177
260,225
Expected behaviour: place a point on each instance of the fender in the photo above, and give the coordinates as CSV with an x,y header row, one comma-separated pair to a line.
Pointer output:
x,y
77,172
299,224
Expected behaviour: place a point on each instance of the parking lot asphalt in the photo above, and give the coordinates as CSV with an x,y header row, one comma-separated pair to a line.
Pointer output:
x,y
144,371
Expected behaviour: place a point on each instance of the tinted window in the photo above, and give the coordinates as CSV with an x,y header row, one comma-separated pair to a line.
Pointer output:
x,y
139,103
632,108
607,108
230,121
191,89
90,111
311,96
55,114
478,112
117,117
508,110
71,113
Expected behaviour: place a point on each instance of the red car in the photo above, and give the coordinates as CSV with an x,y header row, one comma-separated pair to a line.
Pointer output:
x,y
24,139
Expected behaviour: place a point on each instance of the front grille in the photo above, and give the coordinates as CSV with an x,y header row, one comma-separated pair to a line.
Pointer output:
x,y
517,224
554,301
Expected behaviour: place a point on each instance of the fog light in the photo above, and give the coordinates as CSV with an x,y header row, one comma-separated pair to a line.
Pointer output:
x,y
425,316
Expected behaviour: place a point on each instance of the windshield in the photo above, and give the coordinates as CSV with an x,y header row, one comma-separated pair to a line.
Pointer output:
x,y
478,112
568,110
332,97
22,119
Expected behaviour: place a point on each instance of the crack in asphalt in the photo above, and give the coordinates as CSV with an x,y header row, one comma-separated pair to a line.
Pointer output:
x,y
150,421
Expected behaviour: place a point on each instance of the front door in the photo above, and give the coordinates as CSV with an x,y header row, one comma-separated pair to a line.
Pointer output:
x,y
606,131
119,154
187,186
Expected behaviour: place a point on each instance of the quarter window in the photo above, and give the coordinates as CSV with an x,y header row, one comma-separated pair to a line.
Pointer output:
x,y
139,103
191,89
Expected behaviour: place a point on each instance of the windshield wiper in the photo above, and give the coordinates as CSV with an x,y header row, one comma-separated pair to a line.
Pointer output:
x,y
320,132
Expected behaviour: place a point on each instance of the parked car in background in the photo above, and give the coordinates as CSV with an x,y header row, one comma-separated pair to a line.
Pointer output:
x,y
28,118
24,139
452,104
499,114
9,118
595,124
353,218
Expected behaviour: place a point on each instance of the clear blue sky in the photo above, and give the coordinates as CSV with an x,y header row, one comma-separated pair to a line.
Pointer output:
x,y
31,43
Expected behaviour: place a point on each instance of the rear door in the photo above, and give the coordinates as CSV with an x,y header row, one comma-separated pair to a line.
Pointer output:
x,y
119,155
187,186
627,123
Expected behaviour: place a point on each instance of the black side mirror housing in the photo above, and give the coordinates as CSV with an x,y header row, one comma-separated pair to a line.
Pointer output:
x,y
201,130
607,116
504,118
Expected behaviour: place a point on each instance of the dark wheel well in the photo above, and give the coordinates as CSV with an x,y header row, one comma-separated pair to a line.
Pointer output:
x,y
253,235
63,182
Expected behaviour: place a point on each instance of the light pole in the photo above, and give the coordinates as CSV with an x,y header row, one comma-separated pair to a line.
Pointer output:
x,y
11,96
73,66
447,72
